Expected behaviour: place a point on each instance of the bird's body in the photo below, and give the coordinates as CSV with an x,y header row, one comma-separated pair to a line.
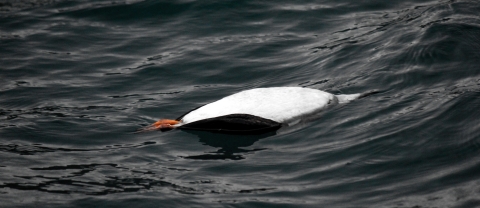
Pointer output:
x,y
280,104
256,110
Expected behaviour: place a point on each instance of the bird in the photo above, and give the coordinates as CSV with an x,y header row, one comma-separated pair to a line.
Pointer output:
x,y
256,111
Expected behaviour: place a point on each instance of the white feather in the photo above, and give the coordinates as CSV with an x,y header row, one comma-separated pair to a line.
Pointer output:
x,y
280,104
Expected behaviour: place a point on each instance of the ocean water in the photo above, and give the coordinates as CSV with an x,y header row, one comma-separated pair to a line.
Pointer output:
x,y
79,77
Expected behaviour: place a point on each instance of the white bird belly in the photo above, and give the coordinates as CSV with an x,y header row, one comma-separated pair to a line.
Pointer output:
x,y
280,104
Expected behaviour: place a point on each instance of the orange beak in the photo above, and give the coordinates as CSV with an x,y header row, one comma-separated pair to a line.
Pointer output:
x,y
165,123
162,125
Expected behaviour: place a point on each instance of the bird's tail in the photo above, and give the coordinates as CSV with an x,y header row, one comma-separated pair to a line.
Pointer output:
x,y
350,97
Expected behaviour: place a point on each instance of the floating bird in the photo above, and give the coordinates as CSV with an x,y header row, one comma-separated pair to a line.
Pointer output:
x,y
256,111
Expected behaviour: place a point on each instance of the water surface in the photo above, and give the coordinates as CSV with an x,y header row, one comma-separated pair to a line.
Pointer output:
x,y
78,77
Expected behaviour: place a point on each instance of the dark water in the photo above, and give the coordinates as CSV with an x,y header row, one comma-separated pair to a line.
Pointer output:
x,y
79,77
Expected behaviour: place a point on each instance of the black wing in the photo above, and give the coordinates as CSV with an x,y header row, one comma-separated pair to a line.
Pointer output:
x,y
234,124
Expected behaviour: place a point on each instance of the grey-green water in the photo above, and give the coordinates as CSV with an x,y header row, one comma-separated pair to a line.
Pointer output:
x,y
78,77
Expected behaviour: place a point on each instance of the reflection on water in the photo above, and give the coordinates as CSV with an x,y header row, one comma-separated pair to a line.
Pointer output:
x,y
229,145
